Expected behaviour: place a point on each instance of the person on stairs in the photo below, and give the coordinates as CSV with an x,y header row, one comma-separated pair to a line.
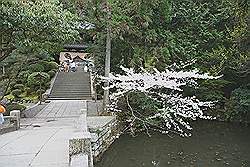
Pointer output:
x,y
66,66
73,66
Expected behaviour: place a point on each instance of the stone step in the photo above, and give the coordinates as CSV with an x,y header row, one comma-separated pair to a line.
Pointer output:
x,y
72,83
71,95
61,83
68,93
75,89
86,89
73,79
69,98
73,76
71,86
71,92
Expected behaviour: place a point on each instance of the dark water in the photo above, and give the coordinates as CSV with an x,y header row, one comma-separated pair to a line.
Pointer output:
x,y
213,144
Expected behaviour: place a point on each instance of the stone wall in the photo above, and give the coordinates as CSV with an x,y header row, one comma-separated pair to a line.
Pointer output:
x,y
91,141
33,110
102,138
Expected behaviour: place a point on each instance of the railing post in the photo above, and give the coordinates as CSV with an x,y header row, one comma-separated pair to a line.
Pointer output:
x,y
17,115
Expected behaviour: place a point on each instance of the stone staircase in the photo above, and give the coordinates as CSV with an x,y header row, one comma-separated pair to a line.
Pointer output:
x,y
71,86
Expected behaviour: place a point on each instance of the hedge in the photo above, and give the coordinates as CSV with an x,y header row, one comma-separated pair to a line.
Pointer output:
x,y
34,81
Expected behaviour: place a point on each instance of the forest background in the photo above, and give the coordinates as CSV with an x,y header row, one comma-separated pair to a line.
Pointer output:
x,y
211,35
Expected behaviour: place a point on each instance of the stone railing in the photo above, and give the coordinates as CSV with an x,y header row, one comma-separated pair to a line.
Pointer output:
x,y
80,152
11,123
92,85
48,91
94,107
92,139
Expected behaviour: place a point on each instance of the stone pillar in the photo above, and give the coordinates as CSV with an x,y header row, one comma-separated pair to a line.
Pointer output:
x,y
17,115
80,146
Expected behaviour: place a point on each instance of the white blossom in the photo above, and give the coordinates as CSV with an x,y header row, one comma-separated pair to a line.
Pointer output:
x,y
176,111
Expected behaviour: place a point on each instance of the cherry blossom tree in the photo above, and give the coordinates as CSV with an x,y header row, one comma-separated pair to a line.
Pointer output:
x,y
176,110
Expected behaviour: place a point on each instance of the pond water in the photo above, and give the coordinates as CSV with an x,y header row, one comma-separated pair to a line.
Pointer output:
x,y
213,144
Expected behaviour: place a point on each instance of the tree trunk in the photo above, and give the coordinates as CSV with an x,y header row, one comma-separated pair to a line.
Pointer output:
x,y
107,62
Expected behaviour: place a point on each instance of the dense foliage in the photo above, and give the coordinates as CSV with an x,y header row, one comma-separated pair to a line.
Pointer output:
x,y
31,33
213,35
35,26
210,35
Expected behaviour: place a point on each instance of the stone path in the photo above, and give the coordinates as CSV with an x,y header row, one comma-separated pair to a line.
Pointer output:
x,y
43,140
62,108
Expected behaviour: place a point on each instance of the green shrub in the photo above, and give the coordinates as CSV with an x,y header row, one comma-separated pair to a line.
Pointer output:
x,y
238,106
12,83
40,90
55,70
16,92
23,76
33,79
47,85
19,86
48,66
14,106
10,97
51,73
28,90
45,65
36,68
53,65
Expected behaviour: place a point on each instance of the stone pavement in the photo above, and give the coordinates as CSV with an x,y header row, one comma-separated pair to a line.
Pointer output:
x,y
43,140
